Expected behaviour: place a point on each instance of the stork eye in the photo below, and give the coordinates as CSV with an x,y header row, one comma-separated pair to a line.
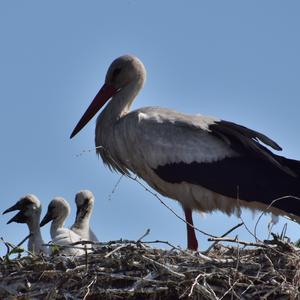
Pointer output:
x,y
116,72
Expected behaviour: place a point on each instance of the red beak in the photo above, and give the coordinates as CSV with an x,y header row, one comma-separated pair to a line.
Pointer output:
x,y
105,93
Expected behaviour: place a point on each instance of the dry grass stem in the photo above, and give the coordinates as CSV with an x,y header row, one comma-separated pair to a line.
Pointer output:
x,y
134,270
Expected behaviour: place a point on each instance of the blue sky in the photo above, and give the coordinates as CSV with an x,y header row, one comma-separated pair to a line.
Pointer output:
x,y
237,60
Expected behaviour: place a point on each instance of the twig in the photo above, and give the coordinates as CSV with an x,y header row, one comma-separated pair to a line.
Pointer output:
x,y
180,275
86,258
194,284
115,187
223,235
235,240
83,242
88,287
163,242
283,232
64,246
270,205
230,289
7,247
25,239
215,260
17,246
144,235
115,250
236,269
248,287
205,289
258,240
213,296
145,280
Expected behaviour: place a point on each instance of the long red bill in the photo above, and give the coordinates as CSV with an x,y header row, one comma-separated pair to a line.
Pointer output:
x,y
105,93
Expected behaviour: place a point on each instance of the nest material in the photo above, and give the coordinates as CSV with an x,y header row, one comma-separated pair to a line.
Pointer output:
x,y
134,270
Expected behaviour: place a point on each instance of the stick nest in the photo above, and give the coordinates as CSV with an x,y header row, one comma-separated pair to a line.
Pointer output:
x,y
136,270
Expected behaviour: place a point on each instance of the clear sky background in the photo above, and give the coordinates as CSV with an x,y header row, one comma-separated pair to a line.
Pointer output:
x,y
237,60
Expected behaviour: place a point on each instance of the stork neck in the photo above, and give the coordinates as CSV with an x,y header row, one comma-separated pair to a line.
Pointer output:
x,y
35,241
56,224
120,103
82,221
34,224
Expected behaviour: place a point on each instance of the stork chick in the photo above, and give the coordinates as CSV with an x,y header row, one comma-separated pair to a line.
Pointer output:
x,y
30,209
85,202
58,210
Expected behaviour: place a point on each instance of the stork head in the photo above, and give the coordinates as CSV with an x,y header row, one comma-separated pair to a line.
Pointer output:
x,y
122,71
58,210
85,202
29,207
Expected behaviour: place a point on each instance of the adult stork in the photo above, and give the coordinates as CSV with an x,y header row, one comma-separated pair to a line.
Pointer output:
x,y
204,163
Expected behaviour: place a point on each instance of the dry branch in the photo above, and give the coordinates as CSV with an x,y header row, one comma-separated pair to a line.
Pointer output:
x,y
134,270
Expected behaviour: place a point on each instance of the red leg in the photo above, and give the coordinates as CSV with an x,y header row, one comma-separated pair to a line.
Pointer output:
x,y
191,236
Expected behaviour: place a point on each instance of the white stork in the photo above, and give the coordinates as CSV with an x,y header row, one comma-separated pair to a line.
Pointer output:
x,y
85,202
30,208
58,210
204,163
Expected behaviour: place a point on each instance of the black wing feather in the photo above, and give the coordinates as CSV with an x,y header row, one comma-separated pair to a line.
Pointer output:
x,y
246,178
244,139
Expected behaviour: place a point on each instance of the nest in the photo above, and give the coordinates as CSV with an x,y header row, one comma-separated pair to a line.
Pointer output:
x,y
136,270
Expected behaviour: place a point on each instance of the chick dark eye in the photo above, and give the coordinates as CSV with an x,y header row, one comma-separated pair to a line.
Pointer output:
x,y
26,202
